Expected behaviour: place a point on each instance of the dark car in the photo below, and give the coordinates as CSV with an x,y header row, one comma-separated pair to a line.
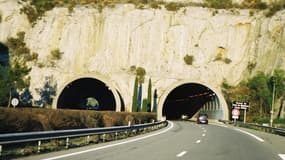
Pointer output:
x,y
202,118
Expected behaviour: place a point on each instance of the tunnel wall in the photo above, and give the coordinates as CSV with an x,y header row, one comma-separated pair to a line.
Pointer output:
x,y
164,95
101,78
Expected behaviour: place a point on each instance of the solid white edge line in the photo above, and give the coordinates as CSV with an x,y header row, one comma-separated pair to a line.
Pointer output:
x,y
252,135
181,154
282,156
112,145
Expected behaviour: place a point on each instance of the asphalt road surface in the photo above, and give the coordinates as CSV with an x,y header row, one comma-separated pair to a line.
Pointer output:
x,y
183,140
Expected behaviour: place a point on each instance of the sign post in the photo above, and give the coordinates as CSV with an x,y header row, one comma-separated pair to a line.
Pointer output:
x,y
241,105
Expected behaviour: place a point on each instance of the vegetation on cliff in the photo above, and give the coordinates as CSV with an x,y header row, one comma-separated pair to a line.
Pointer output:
x,y
258,91
35,9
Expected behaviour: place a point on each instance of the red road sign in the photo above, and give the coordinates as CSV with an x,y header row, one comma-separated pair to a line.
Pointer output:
x,y
235,112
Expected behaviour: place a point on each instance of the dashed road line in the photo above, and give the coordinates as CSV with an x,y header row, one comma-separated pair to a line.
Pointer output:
x,y
203,135
282,156
181,154
198,141
252,135
221,125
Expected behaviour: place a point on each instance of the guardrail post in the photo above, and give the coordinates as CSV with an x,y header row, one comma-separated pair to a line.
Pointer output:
x,y
116,134
0,151
104,135
88,139
129,123
39,146
67,143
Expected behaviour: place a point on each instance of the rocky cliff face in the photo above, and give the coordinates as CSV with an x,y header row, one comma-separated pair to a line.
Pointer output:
x,y
226,45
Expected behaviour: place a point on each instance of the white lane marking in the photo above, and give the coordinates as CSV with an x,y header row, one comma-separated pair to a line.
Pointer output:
x,y
221,125
181,154
204,130
111,145
252,135
282,156
203,134
198,141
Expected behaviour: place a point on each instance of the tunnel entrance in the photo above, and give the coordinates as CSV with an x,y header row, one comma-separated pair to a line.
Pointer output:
x,y
188,99
87,93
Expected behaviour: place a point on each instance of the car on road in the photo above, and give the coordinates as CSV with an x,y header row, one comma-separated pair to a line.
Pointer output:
x,y
184,117
202,118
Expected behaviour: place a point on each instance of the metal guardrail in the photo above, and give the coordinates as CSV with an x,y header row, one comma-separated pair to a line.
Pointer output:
x,y
274,130
13,138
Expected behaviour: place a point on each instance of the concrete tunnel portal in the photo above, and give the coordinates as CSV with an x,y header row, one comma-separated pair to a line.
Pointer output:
x,y
189,99
80,93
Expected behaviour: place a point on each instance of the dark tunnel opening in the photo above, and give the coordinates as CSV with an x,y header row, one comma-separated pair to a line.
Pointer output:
x,y
186,99
87,93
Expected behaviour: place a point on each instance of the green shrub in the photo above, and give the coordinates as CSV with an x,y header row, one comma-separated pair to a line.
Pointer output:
x,y
219,4
273,9
251,13
188,59
18,48
56,54
133,68
140,72
227,60
251,66
155,5
38,119
172,6
261,5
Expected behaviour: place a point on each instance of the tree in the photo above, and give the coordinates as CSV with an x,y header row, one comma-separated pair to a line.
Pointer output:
x,y
92,103
149,95
139,98
154,109
26,98
144,105
47,92
278,80
13,78
135,96
260,91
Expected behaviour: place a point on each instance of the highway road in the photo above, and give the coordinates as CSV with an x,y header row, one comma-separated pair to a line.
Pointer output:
x,y
183,140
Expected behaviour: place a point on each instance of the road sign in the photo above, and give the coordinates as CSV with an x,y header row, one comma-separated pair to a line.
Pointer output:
x,y
235,112
15,102
235,117
240,105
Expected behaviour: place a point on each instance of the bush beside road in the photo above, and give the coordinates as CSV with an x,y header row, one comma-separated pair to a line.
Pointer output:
x,y
40,119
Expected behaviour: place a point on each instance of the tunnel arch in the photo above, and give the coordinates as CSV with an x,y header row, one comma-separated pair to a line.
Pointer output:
x,y
96,80
165,95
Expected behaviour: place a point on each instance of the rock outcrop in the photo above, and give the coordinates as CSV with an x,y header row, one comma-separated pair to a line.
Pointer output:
x,y
226,45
